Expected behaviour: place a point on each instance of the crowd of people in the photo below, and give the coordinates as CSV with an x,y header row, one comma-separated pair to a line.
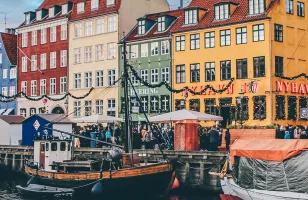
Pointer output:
x,y
291,132
211,138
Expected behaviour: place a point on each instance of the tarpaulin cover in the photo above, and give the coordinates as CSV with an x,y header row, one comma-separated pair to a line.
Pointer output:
x,y
269,149
288,175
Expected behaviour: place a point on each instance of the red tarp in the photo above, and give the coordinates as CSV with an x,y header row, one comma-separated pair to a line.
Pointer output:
x,y
269,149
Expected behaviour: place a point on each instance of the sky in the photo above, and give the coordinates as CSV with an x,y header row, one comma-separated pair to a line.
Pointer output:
x,y
14,11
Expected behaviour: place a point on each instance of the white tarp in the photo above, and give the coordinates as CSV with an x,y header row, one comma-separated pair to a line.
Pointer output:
x,y
97,119
185,115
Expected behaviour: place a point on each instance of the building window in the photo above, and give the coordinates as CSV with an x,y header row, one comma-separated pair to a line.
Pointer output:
x,y
33,63
24,39
34,38
94,4
210,71
161,24
180,43
278,65
63,32
43,87
64,9
180,104
33,88
225,70
88,27
112,24
241,35
111,51
24,87
144,75
280,107
110,2
210,40
191,16
210,106
99,52
80,7
53,88
135,82
43,36
134,51
77,30
5,90
4,73
144,104
180,74
63,54
242,108
77,108
32,111
53,34
154,76
111,77
165,74
23,112
259,107
88,54
194,41
12,90
88,79
77,81
144,50
258,32
241,69
259,66
24,64
77,56
111,110
278,33
100,25
13,73
256,7
154,48
165,46
300,9
154,104
63,85
99,80
87,108
194,105
53,60
222,12
225,38
292,108
194,73
99,105
165,103
289,6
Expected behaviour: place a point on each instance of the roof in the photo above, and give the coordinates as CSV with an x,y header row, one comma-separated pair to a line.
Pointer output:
x,y
54,118
153,33
10,45
12,119
267,149
239,15
50,3
102,10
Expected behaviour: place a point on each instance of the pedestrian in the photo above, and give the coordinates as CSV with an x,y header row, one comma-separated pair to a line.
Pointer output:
x,y
214,139
117,134
108,134
287,134
296,133
227,139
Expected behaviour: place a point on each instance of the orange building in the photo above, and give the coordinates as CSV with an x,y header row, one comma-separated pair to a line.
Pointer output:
x,y
251,46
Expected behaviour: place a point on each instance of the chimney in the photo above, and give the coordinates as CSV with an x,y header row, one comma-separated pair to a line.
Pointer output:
x,y
181,4
10,31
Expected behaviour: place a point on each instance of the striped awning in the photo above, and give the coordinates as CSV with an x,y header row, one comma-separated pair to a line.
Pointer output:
x,y
8,111
2,111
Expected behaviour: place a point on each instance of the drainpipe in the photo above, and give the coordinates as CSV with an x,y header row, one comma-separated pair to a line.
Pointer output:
x,y
271,72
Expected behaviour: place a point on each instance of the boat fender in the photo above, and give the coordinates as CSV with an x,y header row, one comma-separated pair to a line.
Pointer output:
x,y
97,188
175,184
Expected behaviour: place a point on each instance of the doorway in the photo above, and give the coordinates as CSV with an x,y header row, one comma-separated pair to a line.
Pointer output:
x,y
225,111
57,110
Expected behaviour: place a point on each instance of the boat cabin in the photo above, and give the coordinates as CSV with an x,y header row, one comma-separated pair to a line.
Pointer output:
x,y
49,152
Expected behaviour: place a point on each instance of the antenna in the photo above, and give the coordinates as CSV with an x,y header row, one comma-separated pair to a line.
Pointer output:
x,y
5,18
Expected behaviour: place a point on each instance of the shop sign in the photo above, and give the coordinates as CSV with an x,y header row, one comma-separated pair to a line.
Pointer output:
x,y
291,87
251,87
144,91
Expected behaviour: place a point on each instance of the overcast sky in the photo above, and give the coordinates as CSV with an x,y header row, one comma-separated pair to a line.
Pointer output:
x,y
14,10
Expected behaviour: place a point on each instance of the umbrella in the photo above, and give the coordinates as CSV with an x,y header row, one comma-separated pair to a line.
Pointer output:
x,y
97,119
185,115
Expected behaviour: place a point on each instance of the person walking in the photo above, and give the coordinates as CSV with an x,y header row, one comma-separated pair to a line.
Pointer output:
x,y
227,139
287,134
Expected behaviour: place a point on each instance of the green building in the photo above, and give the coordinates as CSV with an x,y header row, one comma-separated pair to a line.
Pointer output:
x,y
149,54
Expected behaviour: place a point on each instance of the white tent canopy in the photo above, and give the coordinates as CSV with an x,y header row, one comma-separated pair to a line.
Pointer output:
x,y
185,115
97,119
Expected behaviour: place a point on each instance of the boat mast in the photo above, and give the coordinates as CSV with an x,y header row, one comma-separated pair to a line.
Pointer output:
x,y
128,144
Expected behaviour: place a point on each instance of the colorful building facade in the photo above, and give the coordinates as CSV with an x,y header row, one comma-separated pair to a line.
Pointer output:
x,y
148,53
8,71
250,46
96,27
43,58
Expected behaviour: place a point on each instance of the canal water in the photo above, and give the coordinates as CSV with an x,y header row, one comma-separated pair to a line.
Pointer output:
x,y
9,180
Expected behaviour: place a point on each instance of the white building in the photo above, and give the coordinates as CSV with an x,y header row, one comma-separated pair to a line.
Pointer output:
x,y
11,129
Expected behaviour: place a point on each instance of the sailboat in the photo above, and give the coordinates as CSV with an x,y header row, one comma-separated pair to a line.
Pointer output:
x,y
53,170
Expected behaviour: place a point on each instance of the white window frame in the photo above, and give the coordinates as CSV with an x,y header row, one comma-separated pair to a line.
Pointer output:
x,y
111,51
141,27
63,85
77,80
222,11
63,58
43,87
191,17
53,34
161,24
5,73
155,76
88,80
43,36
33,63
134,51
77,55
144,50
210,39
43,61
63,32
53,60
112,23
100,25
154,48
88,54
24,87
34,38
88,28
111,77
24,39
24,64
94,4
99,52
99,78
13,73
165,74
256,7
53,86
165,47
33,88
80,7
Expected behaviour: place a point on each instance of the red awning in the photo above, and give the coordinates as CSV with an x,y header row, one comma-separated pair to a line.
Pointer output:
x,y
269,149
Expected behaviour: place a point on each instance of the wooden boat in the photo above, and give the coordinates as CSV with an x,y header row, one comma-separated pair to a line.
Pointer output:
x,y
35,190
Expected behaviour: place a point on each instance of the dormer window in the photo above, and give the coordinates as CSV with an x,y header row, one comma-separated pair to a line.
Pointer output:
x,y
38,15
141,27
161,23
110,2
51,12
256,7
191,16
80,7
64,9
28,18
94,4
222,11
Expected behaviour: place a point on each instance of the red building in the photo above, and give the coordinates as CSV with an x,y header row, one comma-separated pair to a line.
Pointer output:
x,y
43,57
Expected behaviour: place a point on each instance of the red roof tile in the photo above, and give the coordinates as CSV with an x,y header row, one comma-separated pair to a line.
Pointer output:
x,y
10,45
50,3
12,119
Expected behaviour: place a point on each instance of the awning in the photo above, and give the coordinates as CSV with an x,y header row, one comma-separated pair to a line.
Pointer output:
x,y
8,111
2,111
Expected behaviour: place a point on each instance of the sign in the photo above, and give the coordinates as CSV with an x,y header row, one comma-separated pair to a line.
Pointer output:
x,y
304,113
230,90
291,87
36,125
144,91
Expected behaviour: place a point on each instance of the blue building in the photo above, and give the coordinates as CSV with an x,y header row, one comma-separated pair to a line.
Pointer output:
x,y
8,75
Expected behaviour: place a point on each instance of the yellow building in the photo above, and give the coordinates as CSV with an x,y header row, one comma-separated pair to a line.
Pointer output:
x,y
258,44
